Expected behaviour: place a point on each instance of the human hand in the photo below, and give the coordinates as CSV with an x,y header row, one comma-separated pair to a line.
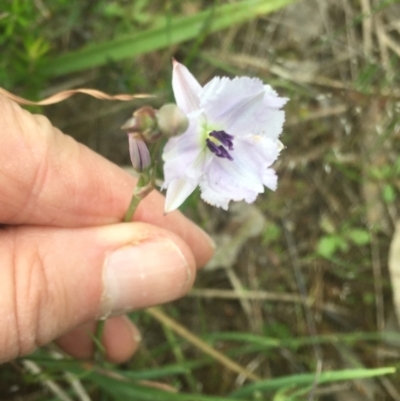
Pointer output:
x,y
65,257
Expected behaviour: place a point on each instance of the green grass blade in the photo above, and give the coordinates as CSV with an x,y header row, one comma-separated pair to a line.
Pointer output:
x,y
121,390
176,30
308,378
270,342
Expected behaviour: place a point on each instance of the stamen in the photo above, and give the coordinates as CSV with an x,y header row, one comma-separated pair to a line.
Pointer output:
x,y
219,151
224,138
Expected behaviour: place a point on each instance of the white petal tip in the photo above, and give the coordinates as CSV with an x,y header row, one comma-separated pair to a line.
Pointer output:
x,y
280,145
177,192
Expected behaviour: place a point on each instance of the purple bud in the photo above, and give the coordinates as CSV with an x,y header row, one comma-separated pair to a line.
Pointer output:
x,y
140,156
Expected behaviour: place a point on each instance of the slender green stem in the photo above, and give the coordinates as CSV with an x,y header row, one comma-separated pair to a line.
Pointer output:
x,y
98,335
100,328
145,184
132,208
136,198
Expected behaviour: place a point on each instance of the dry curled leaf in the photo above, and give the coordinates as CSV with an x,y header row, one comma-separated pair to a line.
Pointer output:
x,y
60,96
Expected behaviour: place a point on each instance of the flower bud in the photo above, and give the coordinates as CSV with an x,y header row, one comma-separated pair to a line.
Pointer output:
x,y
143,122
171,120
140,155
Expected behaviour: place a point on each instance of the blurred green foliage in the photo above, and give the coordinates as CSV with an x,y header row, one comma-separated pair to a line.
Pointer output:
x,y
22,43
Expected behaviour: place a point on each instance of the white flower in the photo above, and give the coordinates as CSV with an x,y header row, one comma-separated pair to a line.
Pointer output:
x,y
231,141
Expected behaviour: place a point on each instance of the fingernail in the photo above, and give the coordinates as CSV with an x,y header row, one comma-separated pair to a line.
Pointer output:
x,y
144,274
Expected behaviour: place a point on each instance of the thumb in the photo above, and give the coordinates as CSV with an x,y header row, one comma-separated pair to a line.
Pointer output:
x,y
53,280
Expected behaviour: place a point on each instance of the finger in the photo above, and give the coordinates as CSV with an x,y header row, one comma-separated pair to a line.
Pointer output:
x,y
47,178
54,280
120,339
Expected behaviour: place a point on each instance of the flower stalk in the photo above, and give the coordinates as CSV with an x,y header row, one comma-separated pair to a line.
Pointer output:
x,y
146,183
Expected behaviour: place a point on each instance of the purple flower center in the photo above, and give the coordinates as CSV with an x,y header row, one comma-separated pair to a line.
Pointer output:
x,y
225,141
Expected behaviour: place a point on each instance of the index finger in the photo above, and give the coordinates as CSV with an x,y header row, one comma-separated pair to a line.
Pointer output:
x,y
47,178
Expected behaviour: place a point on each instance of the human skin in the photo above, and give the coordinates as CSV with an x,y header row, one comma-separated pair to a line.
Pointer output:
x,y
65,257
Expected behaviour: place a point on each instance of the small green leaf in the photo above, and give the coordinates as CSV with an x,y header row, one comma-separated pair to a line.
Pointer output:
x,y
271,233
396,167
389,194
328,245
358,236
